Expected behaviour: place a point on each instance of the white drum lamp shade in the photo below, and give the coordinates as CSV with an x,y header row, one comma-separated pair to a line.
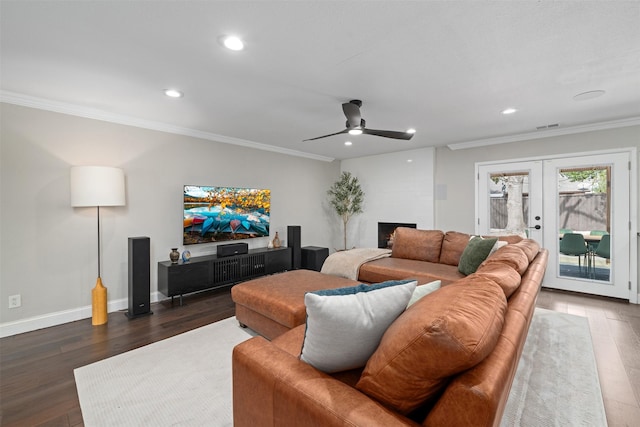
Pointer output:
x,y
97,186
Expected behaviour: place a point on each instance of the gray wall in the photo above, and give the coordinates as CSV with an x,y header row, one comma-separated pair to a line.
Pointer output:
x,y
49,249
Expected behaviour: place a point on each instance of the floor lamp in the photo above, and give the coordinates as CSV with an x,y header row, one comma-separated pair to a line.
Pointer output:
x,y
97,186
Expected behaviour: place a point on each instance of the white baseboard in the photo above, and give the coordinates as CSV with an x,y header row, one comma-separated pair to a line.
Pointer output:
x,y
58,318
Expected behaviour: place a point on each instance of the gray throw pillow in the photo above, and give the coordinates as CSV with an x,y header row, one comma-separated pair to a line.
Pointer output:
x,y
345,325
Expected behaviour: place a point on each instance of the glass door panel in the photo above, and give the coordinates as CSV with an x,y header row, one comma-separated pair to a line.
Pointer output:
x,y
589,212
584,216
508,204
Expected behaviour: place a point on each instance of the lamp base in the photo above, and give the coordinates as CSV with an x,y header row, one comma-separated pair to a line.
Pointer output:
x,y
99,304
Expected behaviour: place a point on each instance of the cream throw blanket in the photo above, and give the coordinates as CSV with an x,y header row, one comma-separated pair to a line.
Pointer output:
x,y
347,263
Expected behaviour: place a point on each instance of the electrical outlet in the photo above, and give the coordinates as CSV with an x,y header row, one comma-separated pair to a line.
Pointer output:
x,y
15,301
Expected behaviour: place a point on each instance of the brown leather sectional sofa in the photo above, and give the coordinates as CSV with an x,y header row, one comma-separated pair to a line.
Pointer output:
x,y
448,360
424,254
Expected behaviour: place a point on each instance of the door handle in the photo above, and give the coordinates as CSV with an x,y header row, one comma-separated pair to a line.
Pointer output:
x,y
537,227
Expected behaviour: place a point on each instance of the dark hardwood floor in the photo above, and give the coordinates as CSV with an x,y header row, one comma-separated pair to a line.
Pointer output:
x,y
36,368
37,386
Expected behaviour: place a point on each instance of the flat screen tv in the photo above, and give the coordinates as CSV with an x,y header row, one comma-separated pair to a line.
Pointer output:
x,y
216,214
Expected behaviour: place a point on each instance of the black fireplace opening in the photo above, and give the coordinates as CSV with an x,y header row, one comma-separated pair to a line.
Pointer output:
x,y
386,230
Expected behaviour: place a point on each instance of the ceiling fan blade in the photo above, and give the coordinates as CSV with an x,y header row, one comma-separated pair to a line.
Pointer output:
x,y
352,112
325,136
388,134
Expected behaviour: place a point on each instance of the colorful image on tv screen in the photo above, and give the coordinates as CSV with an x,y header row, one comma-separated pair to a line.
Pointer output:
x,y
215,214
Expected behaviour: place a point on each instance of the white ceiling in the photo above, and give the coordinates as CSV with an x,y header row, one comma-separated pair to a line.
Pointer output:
x,y
445,68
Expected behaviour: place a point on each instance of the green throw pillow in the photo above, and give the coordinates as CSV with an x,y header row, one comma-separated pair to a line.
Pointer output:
x,y
477,250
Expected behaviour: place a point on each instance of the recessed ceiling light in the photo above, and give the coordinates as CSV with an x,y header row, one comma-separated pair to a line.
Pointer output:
x,y
173,93
588,95
409,160
348,143
233,43
411,130
509,110
355,132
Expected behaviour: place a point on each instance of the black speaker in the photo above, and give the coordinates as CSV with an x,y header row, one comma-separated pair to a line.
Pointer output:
x,y
293,241
233,249
139,277
313,257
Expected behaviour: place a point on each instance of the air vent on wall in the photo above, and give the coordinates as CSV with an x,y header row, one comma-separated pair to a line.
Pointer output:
x,y
551,126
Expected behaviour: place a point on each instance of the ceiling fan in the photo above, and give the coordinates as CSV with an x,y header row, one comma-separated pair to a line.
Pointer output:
x,y
356,124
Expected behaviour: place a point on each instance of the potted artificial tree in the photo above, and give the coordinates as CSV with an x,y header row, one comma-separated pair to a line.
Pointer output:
x,y
346,197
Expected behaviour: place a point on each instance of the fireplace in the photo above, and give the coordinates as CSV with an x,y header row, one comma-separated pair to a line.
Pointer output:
x,y
386,230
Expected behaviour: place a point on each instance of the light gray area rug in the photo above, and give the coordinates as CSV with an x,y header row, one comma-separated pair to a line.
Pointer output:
x,y
186,380
180,381
556,383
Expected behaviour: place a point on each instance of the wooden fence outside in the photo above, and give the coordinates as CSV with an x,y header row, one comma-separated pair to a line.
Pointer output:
x,y
578,211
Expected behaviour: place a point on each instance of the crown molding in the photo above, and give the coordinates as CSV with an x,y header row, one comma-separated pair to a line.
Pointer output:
x,y
632,121
91,113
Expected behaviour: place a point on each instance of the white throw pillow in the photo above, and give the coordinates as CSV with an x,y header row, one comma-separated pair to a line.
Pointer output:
x,y
498,245
423,290
345,325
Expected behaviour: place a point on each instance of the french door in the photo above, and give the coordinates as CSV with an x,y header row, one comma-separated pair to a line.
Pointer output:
x,y
577,207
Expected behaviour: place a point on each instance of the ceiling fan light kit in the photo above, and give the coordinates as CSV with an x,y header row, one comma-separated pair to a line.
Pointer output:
x,y
356,125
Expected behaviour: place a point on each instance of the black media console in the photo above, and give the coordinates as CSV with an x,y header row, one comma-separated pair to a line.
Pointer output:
x,y
211,271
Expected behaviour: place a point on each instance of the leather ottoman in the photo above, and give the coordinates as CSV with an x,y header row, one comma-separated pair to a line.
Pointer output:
x,y
272,305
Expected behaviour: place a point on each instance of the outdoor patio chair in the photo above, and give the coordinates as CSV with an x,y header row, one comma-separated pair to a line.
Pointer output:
x,y
574,244
604,247
593,245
